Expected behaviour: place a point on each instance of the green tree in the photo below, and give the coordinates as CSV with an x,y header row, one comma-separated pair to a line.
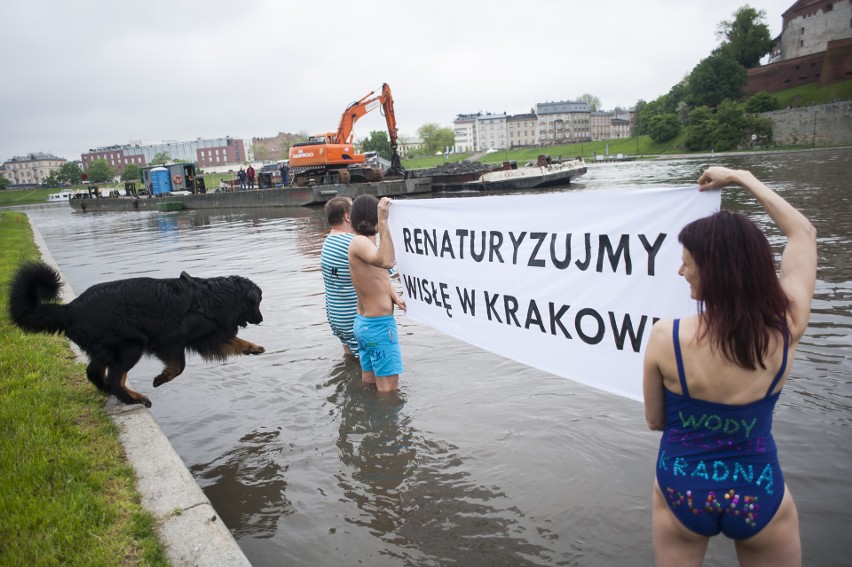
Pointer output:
x,y
676,95
52,179
716,78
161,158
731,127
761,102
261,153
100,171
758,130
747,36
638,116
70,172
645,112
700,128
445,138
378,141
590,99
3,181
664,127
435,138
131,173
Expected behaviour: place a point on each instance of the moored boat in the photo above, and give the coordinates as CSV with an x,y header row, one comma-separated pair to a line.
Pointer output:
x,y
544,174
455,176
61,197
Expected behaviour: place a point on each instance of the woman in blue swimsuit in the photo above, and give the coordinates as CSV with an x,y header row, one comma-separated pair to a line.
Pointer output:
x,y
711,382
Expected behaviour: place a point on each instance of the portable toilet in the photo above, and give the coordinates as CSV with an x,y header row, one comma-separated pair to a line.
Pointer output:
x,y
160,182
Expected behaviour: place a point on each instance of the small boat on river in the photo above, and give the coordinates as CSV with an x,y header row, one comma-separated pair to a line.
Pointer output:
x,y
61,197
508,176
544,173
455,176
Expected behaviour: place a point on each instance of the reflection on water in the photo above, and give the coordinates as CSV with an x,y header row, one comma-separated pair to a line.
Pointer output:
x,y
255,469
414,492
477,460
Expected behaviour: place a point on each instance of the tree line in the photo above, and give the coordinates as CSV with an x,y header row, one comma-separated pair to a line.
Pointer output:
x,y
709,103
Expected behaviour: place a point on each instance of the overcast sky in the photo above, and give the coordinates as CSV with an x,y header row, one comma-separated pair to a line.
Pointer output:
x,y
80,74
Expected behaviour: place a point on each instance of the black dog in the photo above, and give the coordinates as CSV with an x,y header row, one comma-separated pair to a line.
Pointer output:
x,y
115,323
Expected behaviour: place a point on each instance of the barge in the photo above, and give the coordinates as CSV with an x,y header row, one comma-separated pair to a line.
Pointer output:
x,y
545,173
259,198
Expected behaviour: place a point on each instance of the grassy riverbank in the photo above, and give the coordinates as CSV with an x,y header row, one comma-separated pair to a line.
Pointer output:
x,y
67,493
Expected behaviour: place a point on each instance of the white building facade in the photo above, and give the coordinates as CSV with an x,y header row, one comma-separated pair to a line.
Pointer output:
x,y
31,169
464,130
491,132
549,123
810,24
563,122
522,130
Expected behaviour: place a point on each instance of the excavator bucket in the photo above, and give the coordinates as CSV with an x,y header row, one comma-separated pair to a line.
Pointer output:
x,y
395,169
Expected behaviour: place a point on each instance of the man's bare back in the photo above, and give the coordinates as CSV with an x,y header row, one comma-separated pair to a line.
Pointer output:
x,y
369,277
368,267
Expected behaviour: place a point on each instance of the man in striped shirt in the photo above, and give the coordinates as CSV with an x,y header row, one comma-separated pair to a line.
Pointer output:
x,y
341,302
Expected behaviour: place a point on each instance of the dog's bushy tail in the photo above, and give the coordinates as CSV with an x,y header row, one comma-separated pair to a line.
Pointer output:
x,y
32,295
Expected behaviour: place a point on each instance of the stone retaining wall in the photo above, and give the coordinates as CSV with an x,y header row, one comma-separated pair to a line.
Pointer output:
x,y
818,125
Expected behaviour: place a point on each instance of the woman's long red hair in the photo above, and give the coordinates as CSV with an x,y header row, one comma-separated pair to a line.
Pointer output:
x,y
739,291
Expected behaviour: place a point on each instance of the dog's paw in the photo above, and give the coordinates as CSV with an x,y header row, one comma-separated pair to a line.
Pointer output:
x,y
254,349
159,380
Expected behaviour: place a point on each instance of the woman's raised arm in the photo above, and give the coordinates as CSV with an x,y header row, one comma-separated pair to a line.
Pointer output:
x,y
799,260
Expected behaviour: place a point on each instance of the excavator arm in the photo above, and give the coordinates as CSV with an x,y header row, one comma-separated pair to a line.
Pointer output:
x,y
330,157
367,104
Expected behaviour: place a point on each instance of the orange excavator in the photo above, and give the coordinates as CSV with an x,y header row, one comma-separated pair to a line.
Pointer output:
x,y
331,157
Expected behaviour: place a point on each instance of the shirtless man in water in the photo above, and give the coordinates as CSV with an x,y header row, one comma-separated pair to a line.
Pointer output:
x,y
375,326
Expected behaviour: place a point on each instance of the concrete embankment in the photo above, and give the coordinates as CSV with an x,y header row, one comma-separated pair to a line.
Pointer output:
x,y
189,527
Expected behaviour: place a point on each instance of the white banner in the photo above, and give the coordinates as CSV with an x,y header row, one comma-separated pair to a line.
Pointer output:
x,y
568,282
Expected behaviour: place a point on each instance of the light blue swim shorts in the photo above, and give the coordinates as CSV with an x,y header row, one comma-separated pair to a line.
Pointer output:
x,y
378,343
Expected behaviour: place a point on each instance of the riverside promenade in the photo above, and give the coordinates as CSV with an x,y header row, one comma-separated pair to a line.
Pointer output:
x,y
189,527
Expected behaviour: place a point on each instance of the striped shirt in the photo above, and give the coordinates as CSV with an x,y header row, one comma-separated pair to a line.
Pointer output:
x,y
341,302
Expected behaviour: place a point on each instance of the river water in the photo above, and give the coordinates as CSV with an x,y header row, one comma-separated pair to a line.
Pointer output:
x,y
478,460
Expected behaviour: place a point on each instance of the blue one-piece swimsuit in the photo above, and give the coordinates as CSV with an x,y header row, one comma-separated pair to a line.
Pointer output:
x,y
718,466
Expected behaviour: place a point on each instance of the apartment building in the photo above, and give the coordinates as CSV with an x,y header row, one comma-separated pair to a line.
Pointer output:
x,y
600,125
549,123
491,132
621,126
465,131
563,122
31,169
611,125
522,130
205,153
